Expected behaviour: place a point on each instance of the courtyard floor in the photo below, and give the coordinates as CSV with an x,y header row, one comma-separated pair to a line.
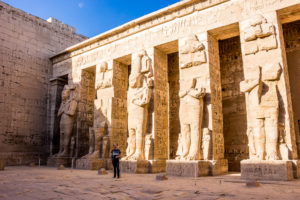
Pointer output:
x,y
49,183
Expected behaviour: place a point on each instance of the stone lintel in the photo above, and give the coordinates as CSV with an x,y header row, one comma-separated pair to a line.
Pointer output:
x,y
277,170
142,166
196,168
91,164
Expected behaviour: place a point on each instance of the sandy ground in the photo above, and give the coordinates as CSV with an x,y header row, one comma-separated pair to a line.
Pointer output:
x,y
49,183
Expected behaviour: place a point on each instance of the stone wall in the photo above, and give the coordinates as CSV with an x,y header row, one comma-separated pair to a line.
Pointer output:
x,y
234,107
291,32
26,44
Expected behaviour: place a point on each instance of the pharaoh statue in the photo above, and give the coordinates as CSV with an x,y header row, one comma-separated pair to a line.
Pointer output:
x,y
98,134
261,91
138,99
190,115
98,137
67,111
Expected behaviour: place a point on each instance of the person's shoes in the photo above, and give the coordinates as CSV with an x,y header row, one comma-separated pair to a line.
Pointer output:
x,y
114,177
118,176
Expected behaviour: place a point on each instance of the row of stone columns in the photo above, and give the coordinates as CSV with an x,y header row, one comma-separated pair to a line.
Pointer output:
x,y
133,106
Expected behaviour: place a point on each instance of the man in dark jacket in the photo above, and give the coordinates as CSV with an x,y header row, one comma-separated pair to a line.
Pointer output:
x,y
115,156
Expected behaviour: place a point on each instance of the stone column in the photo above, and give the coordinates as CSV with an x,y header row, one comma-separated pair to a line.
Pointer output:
x,y
118,124
85,113
200,144
270,127
147,143
56,87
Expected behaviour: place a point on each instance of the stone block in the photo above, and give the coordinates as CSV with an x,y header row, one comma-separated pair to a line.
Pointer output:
x,y
161,177
197,168
57,161
268,43
61,167
250,47
188,168
91,164
142,166
252,183
278,170
102,171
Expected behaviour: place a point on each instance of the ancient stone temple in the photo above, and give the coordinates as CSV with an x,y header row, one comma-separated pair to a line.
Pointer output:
x,y
201,87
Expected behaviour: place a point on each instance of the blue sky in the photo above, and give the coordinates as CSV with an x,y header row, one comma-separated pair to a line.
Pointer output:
x,y
90,17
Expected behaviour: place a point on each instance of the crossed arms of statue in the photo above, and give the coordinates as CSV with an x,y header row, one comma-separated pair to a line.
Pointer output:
x,y
142,97
68,108
194,91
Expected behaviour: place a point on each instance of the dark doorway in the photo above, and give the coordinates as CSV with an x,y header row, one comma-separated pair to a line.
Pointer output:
x,y
233,101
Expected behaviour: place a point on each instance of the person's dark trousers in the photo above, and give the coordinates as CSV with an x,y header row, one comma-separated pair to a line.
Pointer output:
x,y
116,168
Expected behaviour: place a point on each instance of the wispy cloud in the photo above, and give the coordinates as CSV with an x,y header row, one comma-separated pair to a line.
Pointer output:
x,y
80,4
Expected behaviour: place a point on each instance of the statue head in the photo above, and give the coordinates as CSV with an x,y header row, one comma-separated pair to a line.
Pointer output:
x,y
65,93
131,132
142,53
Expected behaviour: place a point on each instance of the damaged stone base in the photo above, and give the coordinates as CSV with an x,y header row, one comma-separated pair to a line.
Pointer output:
x,y
196,168
296,168
143,166
57,161
91,164
278,170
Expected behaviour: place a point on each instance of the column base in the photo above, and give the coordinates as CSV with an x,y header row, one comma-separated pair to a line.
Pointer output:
x,y
57,161
277,170
196,168
91,163
142,166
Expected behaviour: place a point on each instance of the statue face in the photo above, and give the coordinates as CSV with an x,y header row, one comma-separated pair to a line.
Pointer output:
x,y
131,132
65,94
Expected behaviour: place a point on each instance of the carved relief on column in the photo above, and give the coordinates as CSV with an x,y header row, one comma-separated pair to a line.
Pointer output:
x,y
192,91
138,99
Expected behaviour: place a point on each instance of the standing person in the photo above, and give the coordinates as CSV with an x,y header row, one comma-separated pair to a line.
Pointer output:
x,y
115,156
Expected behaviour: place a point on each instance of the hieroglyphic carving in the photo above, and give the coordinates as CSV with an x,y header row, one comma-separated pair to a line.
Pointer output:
x,y
261,91
191,115
259,35
67,112
138,98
